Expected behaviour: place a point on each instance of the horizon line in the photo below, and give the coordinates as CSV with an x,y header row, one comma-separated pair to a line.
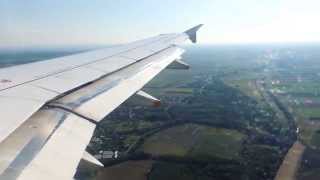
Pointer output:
x,y
92,46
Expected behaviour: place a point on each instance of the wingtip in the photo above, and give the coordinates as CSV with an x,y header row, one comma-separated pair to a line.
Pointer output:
x,y
194,29
192,33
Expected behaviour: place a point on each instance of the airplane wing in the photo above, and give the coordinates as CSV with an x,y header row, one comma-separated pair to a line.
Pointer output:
x,y
49,109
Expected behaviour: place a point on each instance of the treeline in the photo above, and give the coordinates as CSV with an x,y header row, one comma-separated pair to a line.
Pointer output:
x,y
247,168
291,121
140,155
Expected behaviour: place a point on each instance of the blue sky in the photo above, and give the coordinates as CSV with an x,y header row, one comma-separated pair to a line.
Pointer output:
x,y
99,22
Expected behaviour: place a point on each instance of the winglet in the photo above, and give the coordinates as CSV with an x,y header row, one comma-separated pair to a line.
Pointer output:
x,y
192,33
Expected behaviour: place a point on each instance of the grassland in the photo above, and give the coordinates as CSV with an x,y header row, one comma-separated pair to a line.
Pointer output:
x,y
220,143
122,127
195,141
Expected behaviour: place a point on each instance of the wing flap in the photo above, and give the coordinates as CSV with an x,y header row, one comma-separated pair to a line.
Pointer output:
x,y
17,106
63,151
101,101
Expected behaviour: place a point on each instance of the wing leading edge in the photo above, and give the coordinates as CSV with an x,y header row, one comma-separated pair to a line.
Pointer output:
x,y
61,106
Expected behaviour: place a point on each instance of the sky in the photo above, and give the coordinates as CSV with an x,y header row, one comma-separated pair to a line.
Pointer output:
x,y
25,23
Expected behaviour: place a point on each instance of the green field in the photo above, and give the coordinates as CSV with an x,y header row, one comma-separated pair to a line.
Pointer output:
x,y
170,78
308,128
302,88
136,170
121,127
315,140
214,142
308,112
195,141
163,170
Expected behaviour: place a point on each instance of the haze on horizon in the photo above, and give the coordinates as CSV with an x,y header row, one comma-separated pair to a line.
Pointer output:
x,y
100,22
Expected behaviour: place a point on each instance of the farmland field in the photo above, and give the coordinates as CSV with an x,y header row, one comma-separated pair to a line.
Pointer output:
x,y
196,141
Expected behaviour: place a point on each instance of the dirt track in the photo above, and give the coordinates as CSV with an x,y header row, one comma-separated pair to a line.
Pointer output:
x,y
291,163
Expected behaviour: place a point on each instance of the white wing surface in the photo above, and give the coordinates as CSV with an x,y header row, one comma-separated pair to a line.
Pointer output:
x,y
49,109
